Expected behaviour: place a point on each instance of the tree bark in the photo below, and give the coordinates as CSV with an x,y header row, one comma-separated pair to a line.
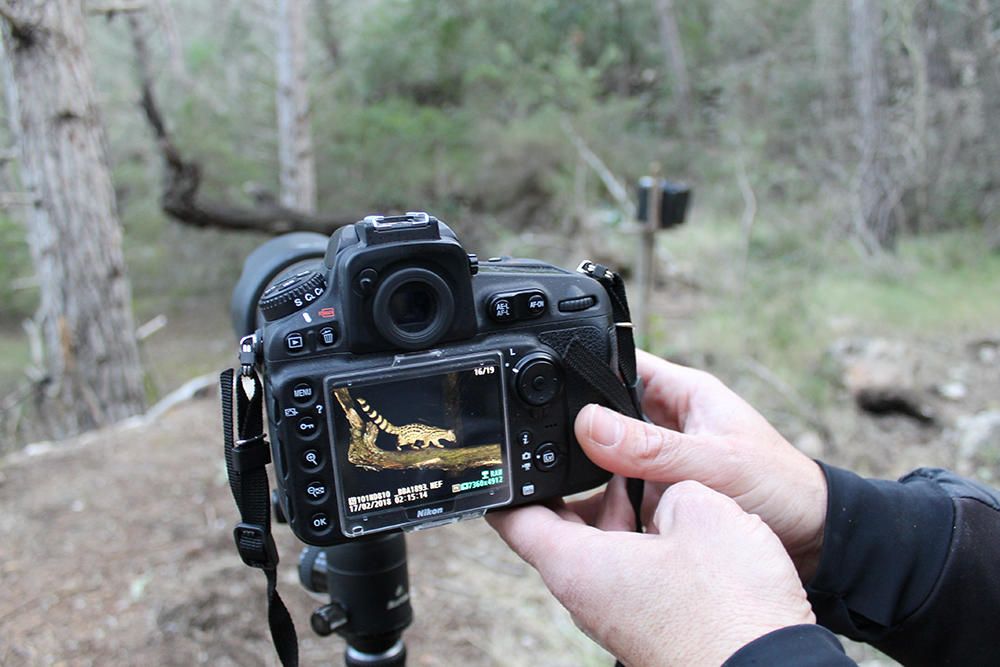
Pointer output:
x,y
829,51
331,44
295,148
93,374
876,195
988,78
673,52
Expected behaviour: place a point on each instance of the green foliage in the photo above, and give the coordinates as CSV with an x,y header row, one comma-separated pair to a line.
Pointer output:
x,y
17,295
462,107
800,292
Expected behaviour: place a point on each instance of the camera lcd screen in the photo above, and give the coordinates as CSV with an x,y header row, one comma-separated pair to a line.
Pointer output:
x,y
419,445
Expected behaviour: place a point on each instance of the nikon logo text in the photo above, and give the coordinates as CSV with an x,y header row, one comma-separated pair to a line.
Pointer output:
x,y
429,511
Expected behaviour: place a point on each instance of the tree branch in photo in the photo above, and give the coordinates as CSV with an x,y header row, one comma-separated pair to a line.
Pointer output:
x,y
363,451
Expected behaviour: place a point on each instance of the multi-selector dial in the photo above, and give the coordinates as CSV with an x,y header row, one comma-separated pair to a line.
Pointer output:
x,y
291,294
538,379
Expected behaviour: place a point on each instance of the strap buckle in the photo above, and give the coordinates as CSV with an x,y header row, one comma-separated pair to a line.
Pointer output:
x,y
256,546
251,453
596,271
248,354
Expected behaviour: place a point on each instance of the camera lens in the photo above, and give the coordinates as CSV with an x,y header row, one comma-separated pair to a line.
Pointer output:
x,y
279,256
413,308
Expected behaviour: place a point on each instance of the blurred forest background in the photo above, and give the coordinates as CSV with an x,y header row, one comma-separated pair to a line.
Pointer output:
x,y
845,159
840,264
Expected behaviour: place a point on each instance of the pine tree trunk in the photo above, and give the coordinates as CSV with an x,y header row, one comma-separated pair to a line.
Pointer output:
x,y
988,77
91,357
876,196
673,53
295,148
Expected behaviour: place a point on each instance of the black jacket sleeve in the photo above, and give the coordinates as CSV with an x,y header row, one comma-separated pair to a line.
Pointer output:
x,y
912,567
798,645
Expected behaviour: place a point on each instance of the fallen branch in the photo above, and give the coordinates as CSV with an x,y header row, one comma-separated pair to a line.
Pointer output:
x,y
182,178
614,187
109,9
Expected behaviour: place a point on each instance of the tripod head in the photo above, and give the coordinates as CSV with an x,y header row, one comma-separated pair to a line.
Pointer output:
x,y
369,591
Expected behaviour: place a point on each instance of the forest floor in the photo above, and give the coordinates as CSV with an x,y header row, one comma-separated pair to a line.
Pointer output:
x,y
117,544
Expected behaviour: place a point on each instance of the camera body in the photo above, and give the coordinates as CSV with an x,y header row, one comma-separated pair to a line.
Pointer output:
x,y
407,384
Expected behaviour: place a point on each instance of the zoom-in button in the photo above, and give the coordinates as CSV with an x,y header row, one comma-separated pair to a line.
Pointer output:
x,y
311,459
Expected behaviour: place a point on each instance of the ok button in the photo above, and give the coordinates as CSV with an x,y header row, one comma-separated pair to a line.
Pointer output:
x,y
316,491
319,522
307,426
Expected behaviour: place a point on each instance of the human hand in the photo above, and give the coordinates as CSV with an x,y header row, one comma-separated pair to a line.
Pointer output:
x,y
705,580
707,433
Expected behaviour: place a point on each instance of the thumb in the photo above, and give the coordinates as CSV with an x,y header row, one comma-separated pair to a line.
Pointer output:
x,y
633,448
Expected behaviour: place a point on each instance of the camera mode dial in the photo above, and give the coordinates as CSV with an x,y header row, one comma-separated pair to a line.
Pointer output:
x,y
291,294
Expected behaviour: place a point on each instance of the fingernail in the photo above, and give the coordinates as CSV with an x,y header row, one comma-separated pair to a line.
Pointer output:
x,y
606,428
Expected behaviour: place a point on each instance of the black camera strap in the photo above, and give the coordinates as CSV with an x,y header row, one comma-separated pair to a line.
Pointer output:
x,y
246,463
597,373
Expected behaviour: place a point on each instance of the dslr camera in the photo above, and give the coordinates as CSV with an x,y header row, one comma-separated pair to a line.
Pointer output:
x,y
409,384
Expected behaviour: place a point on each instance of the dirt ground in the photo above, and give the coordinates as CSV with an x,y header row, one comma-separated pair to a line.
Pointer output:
x,y
117,551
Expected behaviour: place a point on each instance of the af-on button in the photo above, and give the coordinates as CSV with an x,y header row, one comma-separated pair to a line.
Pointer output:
x,y
535,303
